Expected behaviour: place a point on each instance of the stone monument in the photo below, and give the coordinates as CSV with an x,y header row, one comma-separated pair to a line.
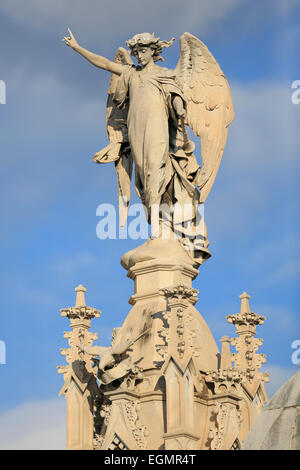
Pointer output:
x,y
163,384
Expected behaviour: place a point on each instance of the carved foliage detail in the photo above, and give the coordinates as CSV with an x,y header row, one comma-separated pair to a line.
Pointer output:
x,y
178,318
139,431
222,415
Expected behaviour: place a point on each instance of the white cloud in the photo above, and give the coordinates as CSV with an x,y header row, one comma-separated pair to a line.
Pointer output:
x,y
94,19
103,21
38,425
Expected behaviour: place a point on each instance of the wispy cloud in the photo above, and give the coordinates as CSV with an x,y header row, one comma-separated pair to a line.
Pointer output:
x,y
278,376
73,264
98,19
41,152
37,425
280,318
288,271
257,173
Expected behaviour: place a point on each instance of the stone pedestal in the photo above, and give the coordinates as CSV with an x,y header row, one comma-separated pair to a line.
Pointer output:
x,y
151,276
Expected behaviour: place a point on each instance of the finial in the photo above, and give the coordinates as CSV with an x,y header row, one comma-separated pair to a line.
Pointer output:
x,y
225,339
80,299
245,321
245,307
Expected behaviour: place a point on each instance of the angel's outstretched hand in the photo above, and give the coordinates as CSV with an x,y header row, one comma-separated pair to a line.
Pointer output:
x,y
70,40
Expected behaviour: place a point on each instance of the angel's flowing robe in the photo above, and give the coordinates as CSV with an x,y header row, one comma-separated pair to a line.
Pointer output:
x,y
163,171
153,130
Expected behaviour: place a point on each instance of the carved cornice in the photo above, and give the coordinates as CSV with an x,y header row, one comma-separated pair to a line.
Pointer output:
x,y
181,293
84,312
245,321
225,380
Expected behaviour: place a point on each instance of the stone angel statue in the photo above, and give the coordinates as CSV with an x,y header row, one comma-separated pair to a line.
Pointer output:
x,y
148,109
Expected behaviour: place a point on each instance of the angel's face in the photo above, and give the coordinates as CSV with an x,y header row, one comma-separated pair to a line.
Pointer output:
x,y
143,54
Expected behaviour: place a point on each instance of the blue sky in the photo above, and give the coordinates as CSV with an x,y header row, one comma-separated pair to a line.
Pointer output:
x,y
54,121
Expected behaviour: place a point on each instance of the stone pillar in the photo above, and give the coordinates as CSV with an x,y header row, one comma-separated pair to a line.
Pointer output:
x,y
80,387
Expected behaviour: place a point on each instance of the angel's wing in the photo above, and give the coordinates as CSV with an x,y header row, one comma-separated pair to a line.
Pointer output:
x,y
120,348
209,105
116,117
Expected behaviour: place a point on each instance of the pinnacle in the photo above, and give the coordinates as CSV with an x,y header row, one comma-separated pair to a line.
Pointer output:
x,y
225,339
80,288
244,295
245,307
80,298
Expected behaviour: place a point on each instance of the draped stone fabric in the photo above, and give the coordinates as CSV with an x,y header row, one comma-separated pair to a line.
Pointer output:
x,y
164,173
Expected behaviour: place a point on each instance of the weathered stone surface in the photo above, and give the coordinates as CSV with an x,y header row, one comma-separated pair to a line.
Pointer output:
x,y
162,383
287,395
278,426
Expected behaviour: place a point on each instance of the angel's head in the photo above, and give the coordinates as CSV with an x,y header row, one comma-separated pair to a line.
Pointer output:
x,y
146,47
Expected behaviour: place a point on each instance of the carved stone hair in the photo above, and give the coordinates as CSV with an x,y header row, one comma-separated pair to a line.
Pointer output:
x,y
149,40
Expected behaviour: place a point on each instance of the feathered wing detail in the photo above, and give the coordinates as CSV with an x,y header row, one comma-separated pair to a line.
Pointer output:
x,y
118,150
116,117
209,105
119,348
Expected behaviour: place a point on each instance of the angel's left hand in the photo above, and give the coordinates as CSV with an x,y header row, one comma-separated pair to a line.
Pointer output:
x,y
178,107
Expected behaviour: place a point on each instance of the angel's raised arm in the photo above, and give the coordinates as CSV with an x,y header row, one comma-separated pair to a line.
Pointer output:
x,y
94,59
